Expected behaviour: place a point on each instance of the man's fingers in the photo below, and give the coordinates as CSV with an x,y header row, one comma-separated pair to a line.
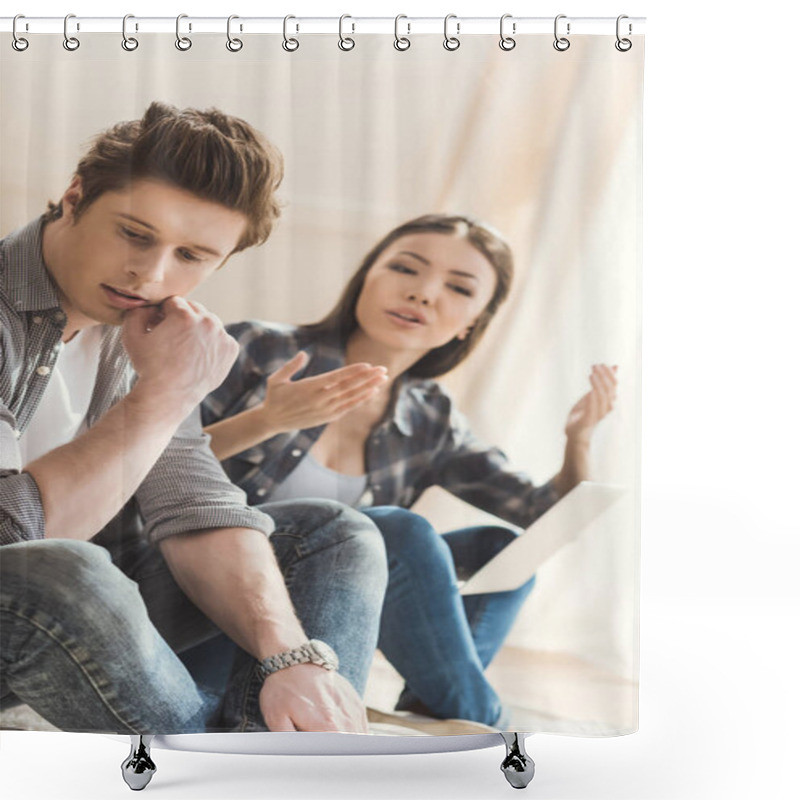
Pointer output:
x,y
175,303
281,723
142,320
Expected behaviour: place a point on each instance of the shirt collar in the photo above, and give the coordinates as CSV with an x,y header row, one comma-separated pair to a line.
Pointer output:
x,y
28,283
403,406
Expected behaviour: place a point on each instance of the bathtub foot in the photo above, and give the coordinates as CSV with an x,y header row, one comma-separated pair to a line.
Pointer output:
x,y
517,766
138,768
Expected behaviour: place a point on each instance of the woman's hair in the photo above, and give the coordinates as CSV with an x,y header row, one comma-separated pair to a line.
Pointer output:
x,y
212,155
342,322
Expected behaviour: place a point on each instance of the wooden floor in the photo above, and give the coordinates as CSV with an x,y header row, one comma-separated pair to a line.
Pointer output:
x,y
546,692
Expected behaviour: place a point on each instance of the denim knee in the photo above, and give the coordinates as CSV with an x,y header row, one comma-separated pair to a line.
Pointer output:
x,y
410,537
313,525
492,539
74,582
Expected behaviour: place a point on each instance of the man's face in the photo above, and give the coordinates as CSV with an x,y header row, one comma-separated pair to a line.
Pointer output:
x,y
135,247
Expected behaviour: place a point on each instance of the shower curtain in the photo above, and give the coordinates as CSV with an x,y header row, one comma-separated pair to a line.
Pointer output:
x,y
537,145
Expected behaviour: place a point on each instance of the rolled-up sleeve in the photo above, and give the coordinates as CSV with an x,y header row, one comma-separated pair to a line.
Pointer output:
x,y
482,476
187,490
21,512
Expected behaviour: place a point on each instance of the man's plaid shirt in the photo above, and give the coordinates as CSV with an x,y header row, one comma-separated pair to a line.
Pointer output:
x,y
186,490
423,441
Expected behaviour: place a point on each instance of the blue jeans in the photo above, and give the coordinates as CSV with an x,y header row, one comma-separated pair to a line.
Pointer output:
x,y
91,643
438,640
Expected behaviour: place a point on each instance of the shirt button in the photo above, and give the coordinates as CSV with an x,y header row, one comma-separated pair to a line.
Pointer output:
x,y
297,452
37,320
17,434
59,316
377,487
42,370
261,492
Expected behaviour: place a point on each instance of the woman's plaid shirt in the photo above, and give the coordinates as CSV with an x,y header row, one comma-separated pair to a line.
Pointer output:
x,y
423,441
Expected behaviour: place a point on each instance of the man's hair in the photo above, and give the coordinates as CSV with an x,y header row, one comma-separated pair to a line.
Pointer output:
x,y
211,154
341,322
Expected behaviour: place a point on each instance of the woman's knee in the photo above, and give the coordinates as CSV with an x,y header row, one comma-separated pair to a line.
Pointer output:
x,y
409,536
495,538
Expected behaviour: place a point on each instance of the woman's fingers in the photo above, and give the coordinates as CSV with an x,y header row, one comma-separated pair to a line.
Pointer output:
x,y
333,380
357,377
354,400
290,368
604,383
356,385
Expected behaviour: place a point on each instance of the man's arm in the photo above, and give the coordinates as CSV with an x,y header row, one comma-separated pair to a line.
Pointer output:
x,y
84,483
233,577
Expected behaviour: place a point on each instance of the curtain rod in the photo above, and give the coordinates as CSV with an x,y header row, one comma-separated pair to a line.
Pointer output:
x,y
351,24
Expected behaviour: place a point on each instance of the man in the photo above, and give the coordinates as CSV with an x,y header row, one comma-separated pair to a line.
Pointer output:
x,y
123,541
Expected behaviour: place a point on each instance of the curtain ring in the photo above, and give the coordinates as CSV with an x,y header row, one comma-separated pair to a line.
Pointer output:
x,y
346,42
71,43
401,42
183,43
451,42
129,43
623,45
561,43
507,42
234,45
289,45
17,42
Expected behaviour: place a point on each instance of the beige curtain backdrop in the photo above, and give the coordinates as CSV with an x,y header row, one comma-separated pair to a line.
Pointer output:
x,y
543,145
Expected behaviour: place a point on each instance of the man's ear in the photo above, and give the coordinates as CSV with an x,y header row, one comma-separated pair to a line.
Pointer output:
x,y
71,197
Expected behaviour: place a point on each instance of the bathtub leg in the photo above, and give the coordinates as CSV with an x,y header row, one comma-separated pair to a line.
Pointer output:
x,y
138,768
517,766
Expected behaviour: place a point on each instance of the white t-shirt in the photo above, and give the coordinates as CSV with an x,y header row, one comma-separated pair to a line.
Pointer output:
x,y
62,410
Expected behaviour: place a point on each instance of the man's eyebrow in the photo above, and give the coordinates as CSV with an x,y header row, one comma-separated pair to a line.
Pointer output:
x,y
200,247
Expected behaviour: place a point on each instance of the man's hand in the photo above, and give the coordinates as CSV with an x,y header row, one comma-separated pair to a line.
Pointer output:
x,y
307,697
179,350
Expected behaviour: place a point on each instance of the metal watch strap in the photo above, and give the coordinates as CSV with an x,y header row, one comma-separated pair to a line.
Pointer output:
x,y
308,653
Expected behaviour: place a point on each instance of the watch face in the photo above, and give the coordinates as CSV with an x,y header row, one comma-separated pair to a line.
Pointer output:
x,y
325,652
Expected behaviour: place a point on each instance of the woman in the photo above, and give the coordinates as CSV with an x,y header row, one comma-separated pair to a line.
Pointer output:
x,y
305,413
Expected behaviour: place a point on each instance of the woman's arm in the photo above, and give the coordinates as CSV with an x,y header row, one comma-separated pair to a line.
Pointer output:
x,y
581,423
295,404
482,476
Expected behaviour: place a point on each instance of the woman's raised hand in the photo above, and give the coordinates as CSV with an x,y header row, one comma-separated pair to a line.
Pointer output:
x,y
294,405
594,405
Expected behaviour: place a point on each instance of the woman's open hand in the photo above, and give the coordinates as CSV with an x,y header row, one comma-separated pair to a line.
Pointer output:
x,y
294,405
594,405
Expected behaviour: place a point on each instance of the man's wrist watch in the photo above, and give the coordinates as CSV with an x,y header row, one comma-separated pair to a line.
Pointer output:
x,y
313,651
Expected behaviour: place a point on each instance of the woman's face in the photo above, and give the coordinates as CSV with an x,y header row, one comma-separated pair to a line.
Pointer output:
x,y
424,290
